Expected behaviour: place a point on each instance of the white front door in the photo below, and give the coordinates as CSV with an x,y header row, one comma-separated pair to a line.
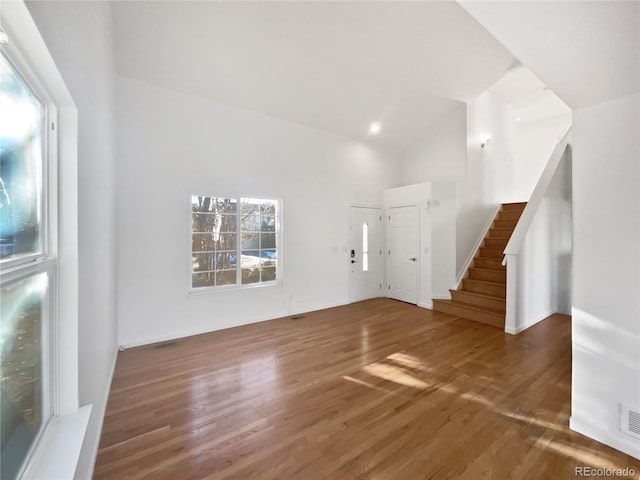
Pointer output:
x,y
402,281
365,253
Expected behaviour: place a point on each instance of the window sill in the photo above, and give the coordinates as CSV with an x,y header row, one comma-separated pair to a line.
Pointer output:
x,y
198,292
61,449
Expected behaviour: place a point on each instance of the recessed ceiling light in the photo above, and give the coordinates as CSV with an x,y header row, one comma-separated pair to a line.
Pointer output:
x,y
375,128
517,119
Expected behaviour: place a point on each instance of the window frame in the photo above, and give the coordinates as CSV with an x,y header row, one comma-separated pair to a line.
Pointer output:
x,y
191,291
17,269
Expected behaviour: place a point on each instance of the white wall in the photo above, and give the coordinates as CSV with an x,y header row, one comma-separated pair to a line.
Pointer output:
x,y
490,171
443,238
534,143
606,309
543,272
440,155
208,148
79,37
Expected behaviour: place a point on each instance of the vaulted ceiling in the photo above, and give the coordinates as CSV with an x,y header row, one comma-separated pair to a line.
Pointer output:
x,y
336,66
587,52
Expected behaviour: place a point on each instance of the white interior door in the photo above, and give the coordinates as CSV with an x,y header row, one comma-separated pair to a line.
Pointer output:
x,y
403,254
365,253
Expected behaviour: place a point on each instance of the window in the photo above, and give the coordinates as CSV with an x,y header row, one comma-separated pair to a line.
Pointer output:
x,y
22,141
365,247
27,305
234,242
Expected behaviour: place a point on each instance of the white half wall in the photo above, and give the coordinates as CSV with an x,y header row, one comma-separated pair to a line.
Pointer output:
x,y
443,238
606,258
79,37
543,271
490,171
211,149
534,143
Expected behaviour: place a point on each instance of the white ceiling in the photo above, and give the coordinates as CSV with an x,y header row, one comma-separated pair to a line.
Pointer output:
x,y
532,99
336,66
586,52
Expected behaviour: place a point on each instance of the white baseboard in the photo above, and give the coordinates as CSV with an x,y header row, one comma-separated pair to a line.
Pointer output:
x,y
441,296
617,440
428,305
522,328
86,470
476,247
190,333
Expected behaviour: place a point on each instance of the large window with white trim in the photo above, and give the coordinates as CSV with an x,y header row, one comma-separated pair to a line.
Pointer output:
x,y
235,242
27,270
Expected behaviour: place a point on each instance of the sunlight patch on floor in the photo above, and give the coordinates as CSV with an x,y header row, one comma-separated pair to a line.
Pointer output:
x,y
394,374
408,361
367,384
581,454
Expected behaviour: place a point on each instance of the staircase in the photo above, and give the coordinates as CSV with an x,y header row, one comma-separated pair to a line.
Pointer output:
x,y
483,294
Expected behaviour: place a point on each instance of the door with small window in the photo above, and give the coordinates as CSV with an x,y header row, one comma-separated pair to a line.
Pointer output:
x,y
365,253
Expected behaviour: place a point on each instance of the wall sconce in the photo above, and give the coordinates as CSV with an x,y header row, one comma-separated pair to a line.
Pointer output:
x,y
484,140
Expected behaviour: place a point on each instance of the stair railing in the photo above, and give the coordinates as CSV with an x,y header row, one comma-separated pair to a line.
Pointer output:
x,y
514,246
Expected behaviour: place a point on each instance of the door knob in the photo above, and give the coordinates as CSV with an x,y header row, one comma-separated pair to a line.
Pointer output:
x,y
353,261
413,259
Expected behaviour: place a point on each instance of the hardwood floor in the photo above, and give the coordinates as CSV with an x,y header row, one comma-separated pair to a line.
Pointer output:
x,y
379,389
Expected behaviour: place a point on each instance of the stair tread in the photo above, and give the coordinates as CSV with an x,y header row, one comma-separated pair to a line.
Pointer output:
x,y
499,268
473,307
484,281
482,269
482,295
514,206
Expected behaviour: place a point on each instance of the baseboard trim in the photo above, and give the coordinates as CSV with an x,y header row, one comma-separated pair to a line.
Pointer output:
x,y
177,336
629,446
201,331
522,328
441,296
427,305
101,411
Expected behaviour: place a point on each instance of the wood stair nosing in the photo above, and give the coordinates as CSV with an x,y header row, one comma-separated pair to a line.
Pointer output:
x,y
485,288
513,206
509,215
496,232
487,275
470,312
478,299
488,252
489,263
495,242
509,223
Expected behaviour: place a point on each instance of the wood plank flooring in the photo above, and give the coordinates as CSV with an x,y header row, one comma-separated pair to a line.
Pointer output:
x,y
374,390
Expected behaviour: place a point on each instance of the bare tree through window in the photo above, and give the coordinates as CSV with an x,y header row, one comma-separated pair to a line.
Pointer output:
x,y
226,251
